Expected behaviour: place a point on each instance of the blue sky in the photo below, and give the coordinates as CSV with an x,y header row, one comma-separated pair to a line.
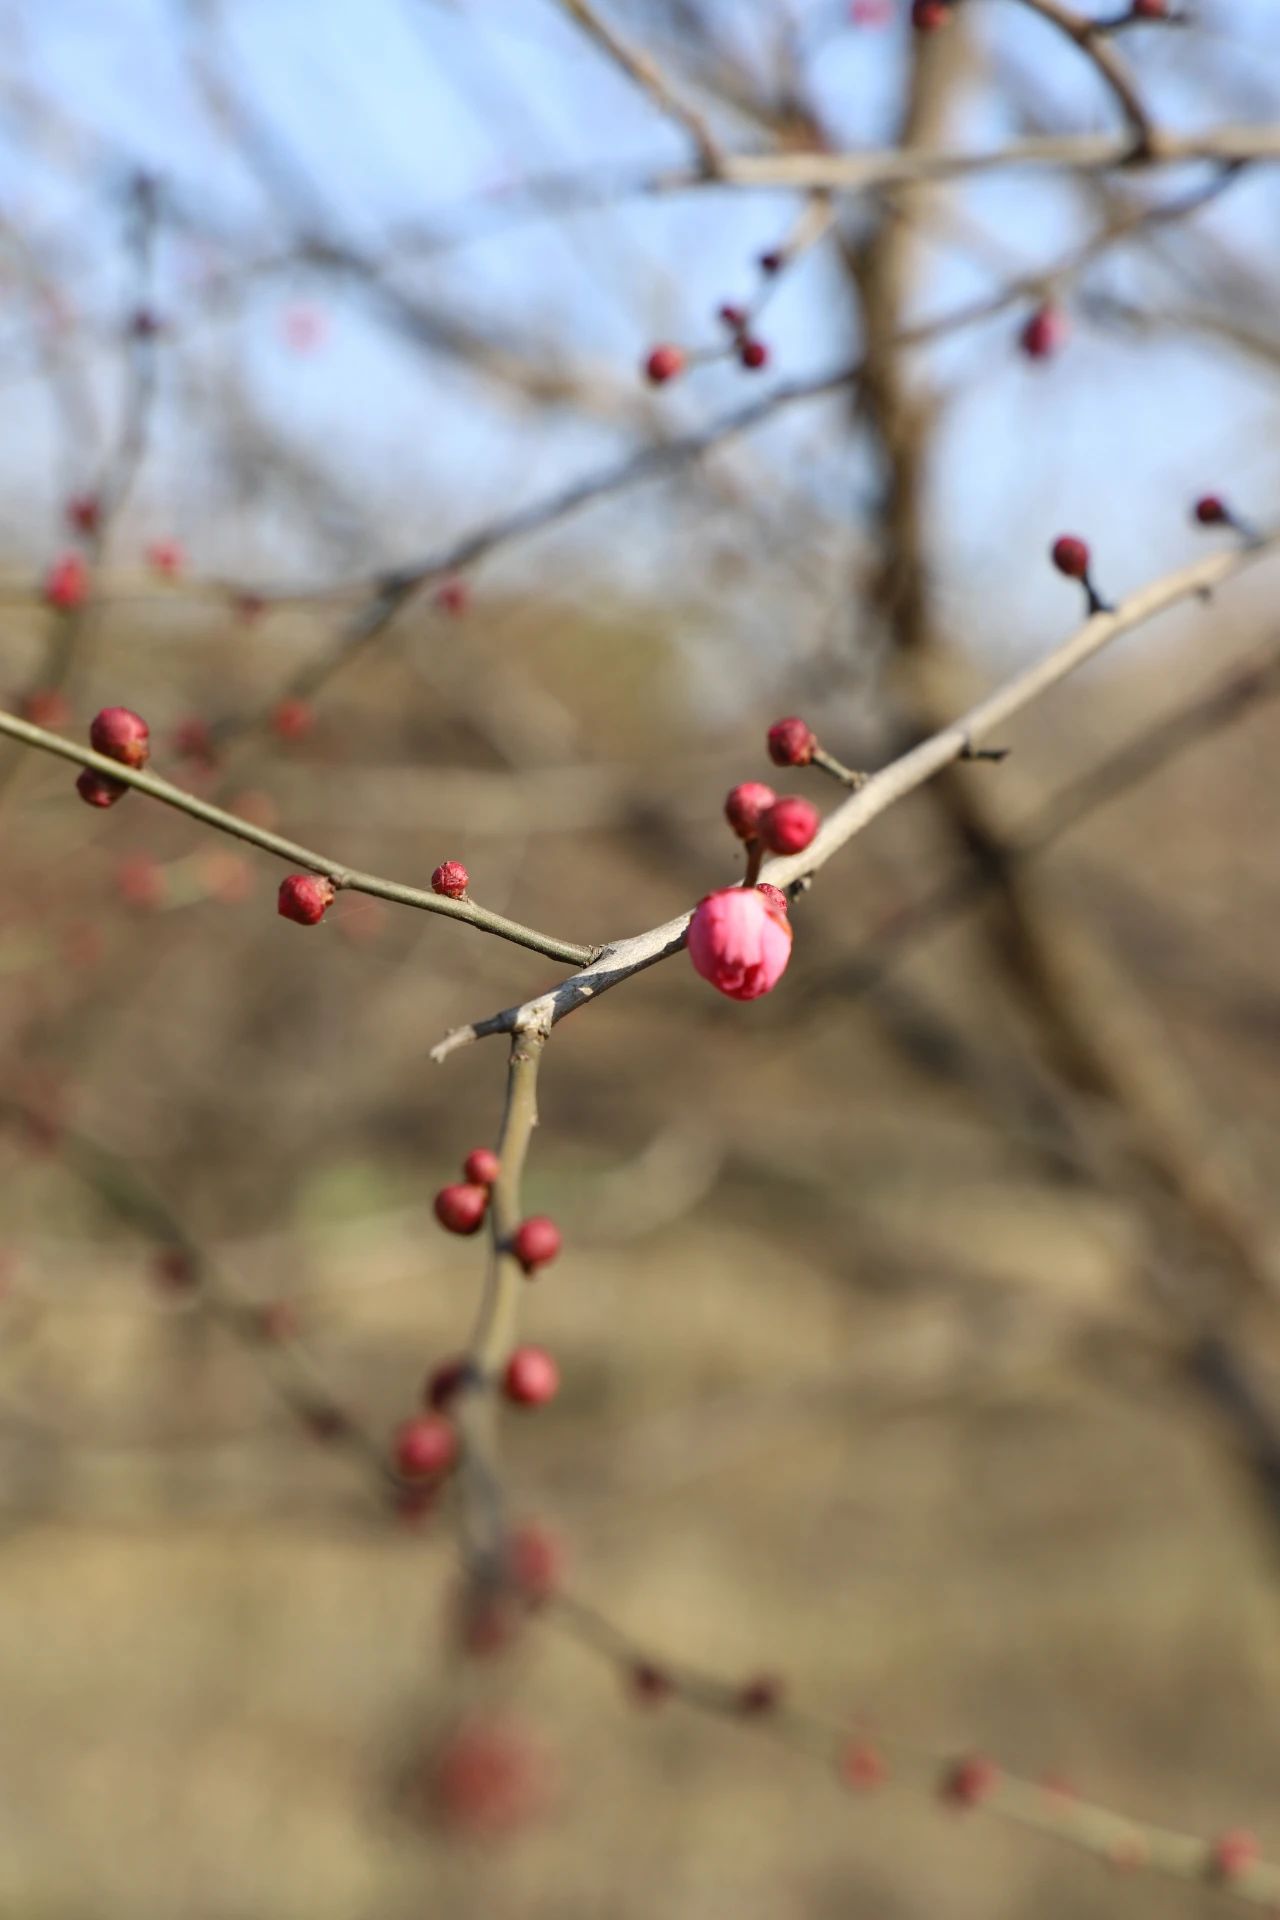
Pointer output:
x,y
401,116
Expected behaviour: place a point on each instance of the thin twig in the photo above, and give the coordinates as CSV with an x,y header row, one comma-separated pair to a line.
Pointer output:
x,y
1049,1808
344,878
494,1331
650,78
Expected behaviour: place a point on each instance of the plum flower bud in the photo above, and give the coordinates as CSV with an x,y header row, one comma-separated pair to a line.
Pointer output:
x,y
426,1446
969,1781
461,1208
791,742
451,879
98,789
1070,556
774,895
664,363
1232,1854
122,735
305,897
535,1242
790,824
740,941
744,804
1045,332
66,585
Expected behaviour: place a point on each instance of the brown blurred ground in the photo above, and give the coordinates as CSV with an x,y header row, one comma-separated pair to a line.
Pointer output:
x,y
862,1380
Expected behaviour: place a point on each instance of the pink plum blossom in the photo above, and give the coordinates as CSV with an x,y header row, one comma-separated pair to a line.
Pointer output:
x,y
740,940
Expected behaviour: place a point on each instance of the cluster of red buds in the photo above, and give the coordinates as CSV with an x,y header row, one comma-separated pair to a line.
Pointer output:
x,y
667,361
740,937
121,735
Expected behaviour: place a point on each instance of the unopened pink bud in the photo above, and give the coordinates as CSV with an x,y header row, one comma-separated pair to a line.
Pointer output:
x,y
744,804
790,824
535,1242
451,879
740,941
481,1167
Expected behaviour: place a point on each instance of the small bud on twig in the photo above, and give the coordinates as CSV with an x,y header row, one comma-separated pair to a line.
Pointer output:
x,y
305,897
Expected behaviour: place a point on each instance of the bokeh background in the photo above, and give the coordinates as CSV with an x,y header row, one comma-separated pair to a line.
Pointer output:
x,y
917,1323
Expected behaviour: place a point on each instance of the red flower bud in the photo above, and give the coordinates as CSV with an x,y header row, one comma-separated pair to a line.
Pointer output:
x,y
1045,333
451,879
789,825
84,513
753,354
774,895
1071,556
66,585
970,1780
481,1167
1211,511
488,1779
791,742
122,735
531,1378
1232,1854
98,789
664,363
928,15
862,1766
165,557
535,1242
461,1209
744,805
739,941
444,1382
305,897
292,719
425,1446
735,318
453,597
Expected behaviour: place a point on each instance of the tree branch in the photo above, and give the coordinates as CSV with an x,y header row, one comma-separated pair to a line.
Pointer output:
x,y
621,959
344,878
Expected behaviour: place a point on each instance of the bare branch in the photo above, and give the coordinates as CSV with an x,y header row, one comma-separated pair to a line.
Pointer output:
x,y
650,78
620,960
345,878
